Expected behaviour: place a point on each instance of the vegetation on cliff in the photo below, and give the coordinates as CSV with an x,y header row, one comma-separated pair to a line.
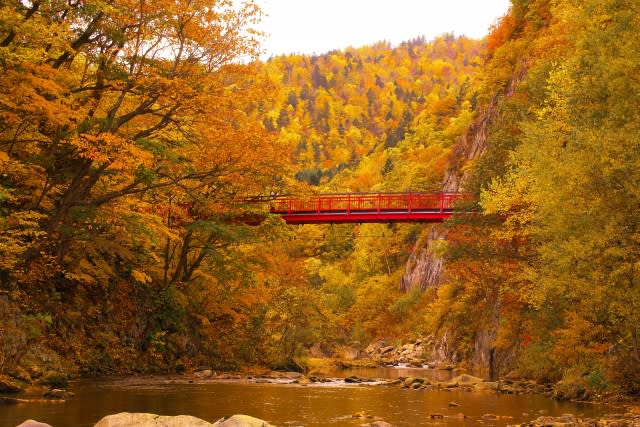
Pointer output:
x,y
554,282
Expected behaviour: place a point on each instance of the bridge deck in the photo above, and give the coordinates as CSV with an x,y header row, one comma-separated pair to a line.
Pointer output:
x,y
367,207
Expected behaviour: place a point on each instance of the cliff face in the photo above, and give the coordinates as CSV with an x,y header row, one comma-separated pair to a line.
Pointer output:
x,y
425,267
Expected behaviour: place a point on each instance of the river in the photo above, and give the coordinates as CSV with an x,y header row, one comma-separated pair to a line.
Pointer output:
x,y
328,404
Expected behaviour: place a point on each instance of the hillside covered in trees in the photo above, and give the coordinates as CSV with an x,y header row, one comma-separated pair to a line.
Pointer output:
x,y
132,135
338,108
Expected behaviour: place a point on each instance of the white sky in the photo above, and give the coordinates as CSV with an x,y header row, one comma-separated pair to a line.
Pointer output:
x,y
318,26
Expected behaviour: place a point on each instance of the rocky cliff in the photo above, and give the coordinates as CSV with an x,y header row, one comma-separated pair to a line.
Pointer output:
x,y
425,266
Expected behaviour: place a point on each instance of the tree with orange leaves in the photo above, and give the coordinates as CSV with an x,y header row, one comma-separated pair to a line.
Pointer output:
x,y
104,101
128,133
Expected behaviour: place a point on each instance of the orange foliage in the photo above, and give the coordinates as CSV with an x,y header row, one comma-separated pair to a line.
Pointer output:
x,y
500,33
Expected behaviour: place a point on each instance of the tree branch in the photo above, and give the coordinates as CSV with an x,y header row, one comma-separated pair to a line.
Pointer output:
x,y
12,34
134,187
84,38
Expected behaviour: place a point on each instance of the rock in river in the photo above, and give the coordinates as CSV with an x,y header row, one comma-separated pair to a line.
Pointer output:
x,y
32,423
127,419
242,421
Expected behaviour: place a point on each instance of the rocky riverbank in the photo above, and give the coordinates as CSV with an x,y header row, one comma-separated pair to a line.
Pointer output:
x,y
16,390
429,353
419,357
621,417
422,352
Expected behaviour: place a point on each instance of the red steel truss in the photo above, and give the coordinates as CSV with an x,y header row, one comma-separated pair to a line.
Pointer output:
x,y
366,207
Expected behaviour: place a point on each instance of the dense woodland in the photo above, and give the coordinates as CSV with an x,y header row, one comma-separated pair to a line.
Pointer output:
x,y
132,135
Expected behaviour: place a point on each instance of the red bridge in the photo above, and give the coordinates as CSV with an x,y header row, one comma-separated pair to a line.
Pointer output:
x,y
367,207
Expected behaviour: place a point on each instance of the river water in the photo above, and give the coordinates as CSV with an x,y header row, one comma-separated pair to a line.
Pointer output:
x,y
324,404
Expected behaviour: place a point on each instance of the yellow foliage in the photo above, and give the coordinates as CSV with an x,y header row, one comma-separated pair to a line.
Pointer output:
x,y
141,276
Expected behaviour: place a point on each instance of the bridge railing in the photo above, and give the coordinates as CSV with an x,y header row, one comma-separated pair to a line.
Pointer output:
x,y
367,202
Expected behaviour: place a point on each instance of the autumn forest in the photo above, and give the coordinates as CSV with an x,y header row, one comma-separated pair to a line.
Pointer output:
x,y
136,138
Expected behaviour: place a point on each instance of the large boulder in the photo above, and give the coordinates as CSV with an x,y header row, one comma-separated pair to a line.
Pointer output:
x,y
242,421
32,423
374,347
128,419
